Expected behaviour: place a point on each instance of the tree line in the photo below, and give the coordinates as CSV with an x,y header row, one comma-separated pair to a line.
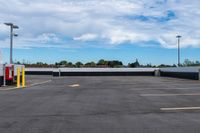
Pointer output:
x,y
104,64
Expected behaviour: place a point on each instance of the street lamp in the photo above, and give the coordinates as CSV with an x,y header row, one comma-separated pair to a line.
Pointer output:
x,y
179,37
12,26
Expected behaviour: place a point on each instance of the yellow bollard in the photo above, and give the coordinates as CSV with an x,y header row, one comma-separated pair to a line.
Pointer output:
x,y
18,77
23,78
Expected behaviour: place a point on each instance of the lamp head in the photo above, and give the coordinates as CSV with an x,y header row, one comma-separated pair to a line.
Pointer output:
x,y
12,25
8,24
15,35
15,27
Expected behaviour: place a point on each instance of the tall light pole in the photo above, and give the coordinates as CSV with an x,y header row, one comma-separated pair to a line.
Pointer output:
x,y
179,37
12,26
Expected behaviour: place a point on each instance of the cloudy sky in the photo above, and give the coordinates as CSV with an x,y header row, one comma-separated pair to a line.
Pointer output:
x,y
85,30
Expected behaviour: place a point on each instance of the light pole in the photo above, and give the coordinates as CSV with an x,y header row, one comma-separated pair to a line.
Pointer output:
x,y
12,26
179,37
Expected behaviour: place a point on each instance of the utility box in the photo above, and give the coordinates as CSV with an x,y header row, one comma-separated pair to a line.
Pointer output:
x,y
9,74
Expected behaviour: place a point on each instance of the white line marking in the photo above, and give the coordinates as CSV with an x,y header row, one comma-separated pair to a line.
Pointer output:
x,y
40,83
164,89
161,95
181,108
74,85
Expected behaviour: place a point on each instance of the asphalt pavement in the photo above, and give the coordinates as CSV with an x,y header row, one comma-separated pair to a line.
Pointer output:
x,y
102,105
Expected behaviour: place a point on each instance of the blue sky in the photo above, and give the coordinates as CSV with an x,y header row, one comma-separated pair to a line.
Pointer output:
x,y
89,30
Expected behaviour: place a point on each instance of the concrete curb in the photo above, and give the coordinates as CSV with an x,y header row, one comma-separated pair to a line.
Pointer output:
x,y
9,89
31,85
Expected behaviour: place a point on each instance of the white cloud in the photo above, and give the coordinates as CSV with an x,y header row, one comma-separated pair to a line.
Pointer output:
x,y
61,23
86,37
119,36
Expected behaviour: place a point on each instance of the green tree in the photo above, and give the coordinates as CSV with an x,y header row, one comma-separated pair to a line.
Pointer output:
x,y
90,64
135,64
188,62
102,62
79,64
115,63
164,65
62,63
70,64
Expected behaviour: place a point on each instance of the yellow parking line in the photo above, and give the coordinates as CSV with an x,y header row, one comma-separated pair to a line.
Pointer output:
x,y
181,108
161,95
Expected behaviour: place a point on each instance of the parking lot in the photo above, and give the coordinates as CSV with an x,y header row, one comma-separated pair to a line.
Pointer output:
x,y
102,105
